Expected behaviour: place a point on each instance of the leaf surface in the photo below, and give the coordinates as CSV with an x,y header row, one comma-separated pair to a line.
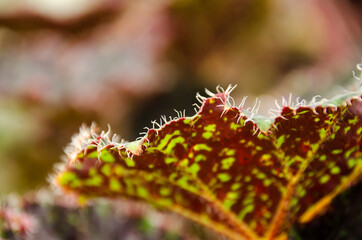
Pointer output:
x,y
240,174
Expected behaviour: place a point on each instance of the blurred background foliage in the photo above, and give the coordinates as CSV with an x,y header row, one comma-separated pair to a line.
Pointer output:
x,y
40,215
127,62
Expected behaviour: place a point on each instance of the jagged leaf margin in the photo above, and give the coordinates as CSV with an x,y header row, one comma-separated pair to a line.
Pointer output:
x,y
243,175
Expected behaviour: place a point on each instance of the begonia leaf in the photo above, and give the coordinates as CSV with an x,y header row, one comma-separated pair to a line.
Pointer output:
x,y
242,175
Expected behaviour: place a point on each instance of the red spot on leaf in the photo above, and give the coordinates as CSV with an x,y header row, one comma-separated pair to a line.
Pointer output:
x,y
243,157
304,147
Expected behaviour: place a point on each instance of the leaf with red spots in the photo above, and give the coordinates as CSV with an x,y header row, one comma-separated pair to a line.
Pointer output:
x,y
244,176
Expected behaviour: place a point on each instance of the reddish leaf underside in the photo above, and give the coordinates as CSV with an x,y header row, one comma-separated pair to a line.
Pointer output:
x,y
219,169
